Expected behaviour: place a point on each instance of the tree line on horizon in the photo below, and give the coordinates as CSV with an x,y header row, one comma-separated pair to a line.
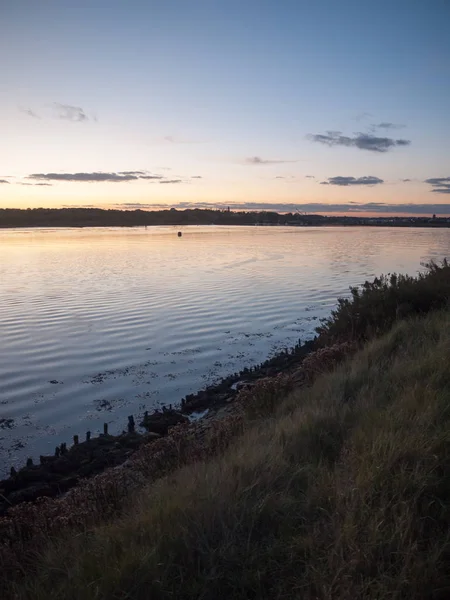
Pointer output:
x,y
98,217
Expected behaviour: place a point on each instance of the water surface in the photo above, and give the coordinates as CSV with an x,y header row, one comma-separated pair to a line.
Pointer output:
x,y
97,324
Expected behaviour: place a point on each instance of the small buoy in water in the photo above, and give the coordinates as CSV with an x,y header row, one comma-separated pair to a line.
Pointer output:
x,y
179,234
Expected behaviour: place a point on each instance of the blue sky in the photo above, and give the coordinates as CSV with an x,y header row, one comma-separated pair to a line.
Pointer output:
x,y
225,102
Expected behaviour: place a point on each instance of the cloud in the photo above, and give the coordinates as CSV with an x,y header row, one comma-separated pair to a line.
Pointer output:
x,y
287,178
132,172
29,112
361,116
196,177
310,176
171,181
34,184
366,180
352,208
95,177
387,125
70,113
257,160
363,141
440,185
3,181
405,180
83,177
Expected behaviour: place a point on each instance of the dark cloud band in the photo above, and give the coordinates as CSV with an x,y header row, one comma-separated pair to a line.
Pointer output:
x,y
367,180
97,176
362,141
440,185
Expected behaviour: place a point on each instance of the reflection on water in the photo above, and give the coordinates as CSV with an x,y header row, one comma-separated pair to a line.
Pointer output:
x,y
97,324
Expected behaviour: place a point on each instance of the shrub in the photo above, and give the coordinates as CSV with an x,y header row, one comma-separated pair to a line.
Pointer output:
x,y
372,309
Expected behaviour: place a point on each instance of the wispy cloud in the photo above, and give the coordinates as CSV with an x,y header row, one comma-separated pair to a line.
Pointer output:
x,y
29,112
362,141
196,177
440,185
35,184
362,116
340,180
388,125
70,113
310,176
257,160
4,181
132,172
171,181
352,208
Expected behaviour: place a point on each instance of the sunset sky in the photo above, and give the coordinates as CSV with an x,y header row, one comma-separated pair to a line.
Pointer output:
x,y
247,103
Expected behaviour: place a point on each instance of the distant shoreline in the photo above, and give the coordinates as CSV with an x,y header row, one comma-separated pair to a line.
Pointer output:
x,y
96,217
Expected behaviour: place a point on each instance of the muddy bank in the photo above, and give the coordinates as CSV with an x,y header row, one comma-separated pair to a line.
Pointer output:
x,y
219,394
56,474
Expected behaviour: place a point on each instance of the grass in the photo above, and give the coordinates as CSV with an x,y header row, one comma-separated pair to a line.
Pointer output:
x,y
340,491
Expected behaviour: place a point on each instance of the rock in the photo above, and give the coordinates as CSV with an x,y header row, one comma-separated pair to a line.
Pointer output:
x,y
151,435
160,421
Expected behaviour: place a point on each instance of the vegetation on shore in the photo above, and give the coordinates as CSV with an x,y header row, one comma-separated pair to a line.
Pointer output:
x,y
334,485
97,217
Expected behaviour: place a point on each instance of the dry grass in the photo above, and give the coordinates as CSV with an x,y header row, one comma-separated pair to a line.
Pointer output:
x,y
341,492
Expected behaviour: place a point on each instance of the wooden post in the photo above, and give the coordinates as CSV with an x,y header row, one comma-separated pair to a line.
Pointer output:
x,y
88,436
105,429
131,424
57,451
75,440
13,472
29,462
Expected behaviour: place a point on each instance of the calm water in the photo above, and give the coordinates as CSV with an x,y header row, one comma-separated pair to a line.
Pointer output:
x,y
126,320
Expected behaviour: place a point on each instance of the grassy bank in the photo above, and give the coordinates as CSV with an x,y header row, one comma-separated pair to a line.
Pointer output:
x,y
340,491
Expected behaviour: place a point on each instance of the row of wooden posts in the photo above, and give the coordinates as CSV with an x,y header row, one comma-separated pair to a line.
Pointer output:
x,y
61,450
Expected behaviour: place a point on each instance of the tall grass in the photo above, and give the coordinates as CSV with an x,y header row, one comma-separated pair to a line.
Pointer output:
x,y
340,492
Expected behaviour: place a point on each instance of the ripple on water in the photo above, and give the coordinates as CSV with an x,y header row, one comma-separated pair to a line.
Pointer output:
x,y
125,320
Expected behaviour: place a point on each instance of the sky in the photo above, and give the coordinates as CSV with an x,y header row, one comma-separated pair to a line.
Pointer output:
x,y
316,105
